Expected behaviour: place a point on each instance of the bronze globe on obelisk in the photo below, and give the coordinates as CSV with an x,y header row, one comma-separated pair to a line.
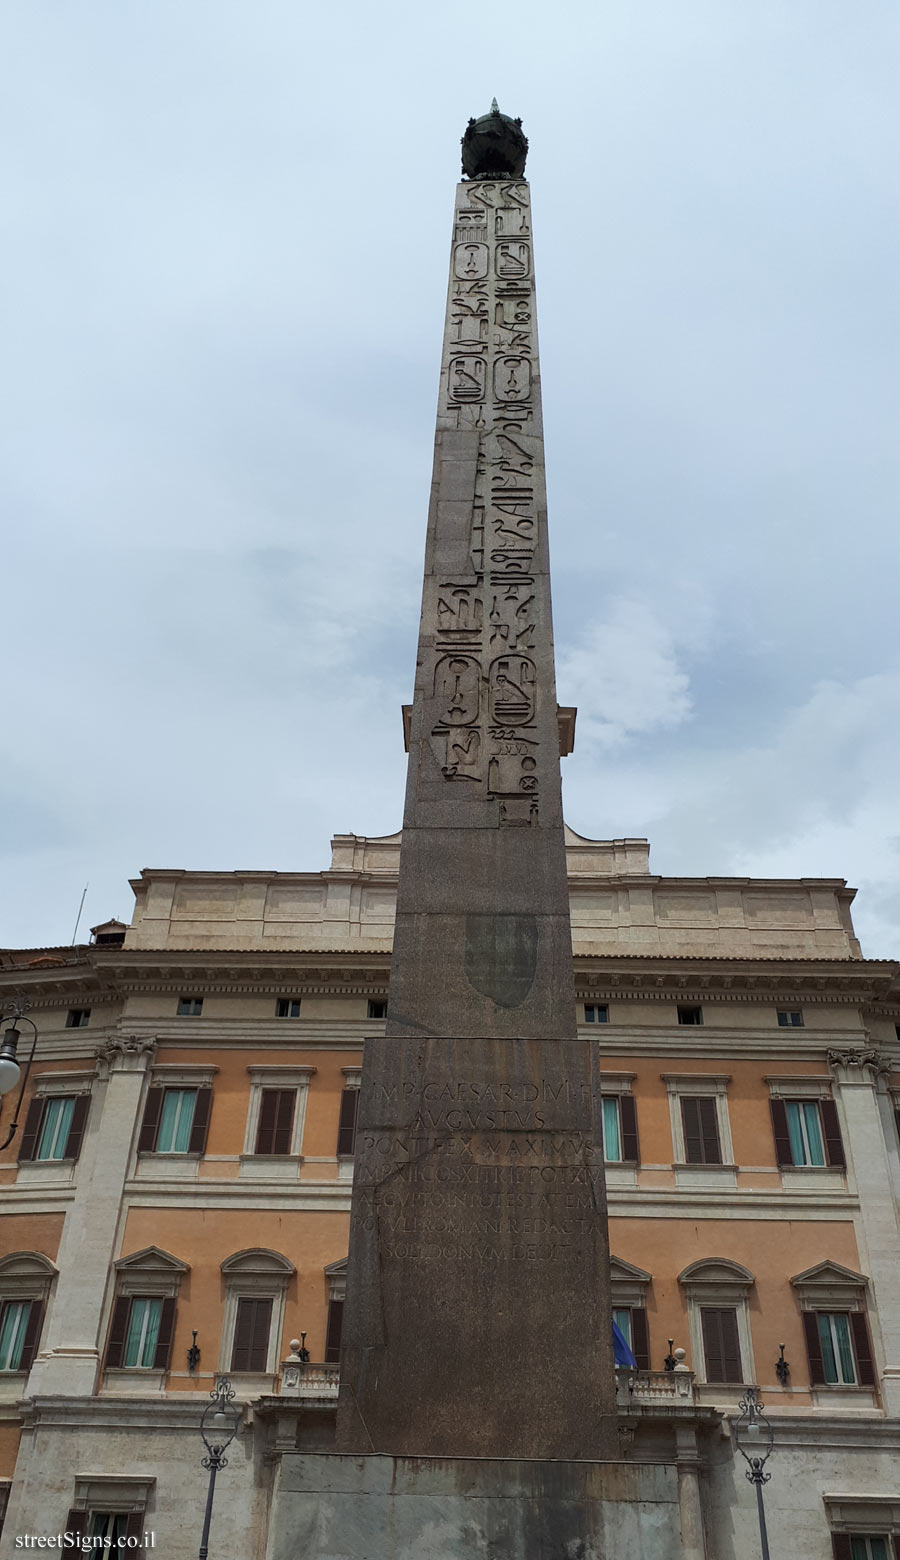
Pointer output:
x,y
478,1313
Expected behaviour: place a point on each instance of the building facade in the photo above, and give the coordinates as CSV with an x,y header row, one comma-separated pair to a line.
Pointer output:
x,y
175,1200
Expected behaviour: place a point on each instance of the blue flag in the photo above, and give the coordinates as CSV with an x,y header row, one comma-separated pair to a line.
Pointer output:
x,y
623,1354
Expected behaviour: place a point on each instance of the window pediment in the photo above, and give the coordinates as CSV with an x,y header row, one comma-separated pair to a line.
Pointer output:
x,y
150,1271
830,1284
258,1261
718,1273
26,1275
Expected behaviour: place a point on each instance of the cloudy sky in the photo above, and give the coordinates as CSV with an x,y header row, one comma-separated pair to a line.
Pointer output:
x,y
225,239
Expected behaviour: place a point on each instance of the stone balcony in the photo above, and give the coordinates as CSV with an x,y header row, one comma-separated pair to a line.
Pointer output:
x,y
655,1388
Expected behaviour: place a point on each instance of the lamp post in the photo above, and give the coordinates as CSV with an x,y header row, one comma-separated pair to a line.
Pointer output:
x,y
218,1427
758,1431
10,1070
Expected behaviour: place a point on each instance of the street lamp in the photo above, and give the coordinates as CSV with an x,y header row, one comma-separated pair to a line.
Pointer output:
x,y
218,1427
10,1070
758,1431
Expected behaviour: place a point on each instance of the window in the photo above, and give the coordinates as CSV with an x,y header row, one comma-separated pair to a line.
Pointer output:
x,y
54,1127
78,1018
25,1279
20,1325
336,1273
377,1009
140,1336
143,1317
250,1350
620,1139
287,1007
632,1324
276,1121
699,1117
255,1286
190,1007
346,1139
109,1509
689,1015
176,1120
628,1287
717,1291
701,1131
807,1131
596,1013
862,1546
838,1348
721,1346
790,1019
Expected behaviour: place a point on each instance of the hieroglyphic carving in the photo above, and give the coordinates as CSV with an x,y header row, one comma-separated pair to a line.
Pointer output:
x,y
512,690
513,261
468,376
457,690
460,611
491,619
471,261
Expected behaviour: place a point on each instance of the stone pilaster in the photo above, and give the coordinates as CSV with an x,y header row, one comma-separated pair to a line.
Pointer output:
x,y
858,1075
68,1362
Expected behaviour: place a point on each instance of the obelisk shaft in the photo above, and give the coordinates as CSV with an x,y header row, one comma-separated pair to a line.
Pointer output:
x,y
477,1319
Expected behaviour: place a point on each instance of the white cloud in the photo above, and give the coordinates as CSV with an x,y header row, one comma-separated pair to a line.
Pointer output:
x,y
624,677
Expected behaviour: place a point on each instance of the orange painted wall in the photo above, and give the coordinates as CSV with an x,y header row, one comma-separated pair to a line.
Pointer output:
x,y
204,1238
748,1100
231,1085
772,1250
10,1435
31,1232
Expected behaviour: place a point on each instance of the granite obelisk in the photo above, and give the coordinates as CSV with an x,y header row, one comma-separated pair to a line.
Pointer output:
x,y
478,1319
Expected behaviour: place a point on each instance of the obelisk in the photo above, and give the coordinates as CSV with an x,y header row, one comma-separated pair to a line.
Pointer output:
x,y
477,1319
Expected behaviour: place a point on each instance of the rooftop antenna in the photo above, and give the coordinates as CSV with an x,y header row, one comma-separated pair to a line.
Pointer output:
x,y
78,917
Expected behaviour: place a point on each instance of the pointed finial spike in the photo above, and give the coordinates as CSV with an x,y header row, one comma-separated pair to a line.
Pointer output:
x,y
495,106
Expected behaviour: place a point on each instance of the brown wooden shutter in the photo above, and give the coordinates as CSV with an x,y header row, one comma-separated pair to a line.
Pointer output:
x,y
897,1123
251,1335
346,1143
115,1349
640,1337
842,1548
259,1341
831,1130
896,1543
32,1334
76,1521
200,1123
243,1329
134,1528
77,1126
862,1347
783,1154
164,1336
265,1134
709,1127
630,1148
813,1348
31,1130
150,1123
333,1334
693,1141
720,1344
284,1121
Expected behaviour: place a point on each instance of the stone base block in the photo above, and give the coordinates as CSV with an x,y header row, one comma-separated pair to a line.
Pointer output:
x,y
345,1507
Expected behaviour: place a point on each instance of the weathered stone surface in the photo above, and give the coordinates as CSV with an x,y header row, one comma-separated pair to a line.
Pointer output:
x,y
477,1317
481,1258
384,1508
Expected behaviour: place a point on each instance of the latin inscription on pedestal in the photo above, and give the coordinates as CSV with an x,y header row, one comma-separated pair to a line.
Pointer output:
x,y
480,1223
